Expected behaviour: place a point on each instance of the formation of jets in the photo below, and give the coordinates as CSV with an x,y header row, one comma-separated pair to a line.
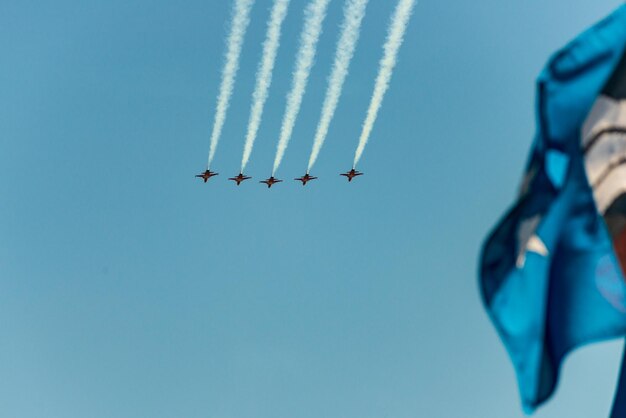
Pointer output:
x,y
272,180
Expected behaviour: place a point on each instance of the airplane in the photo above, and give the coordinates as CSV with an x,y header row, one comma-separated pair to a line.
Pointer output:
x,y
206,175
239,178
306,178
270,182
351,174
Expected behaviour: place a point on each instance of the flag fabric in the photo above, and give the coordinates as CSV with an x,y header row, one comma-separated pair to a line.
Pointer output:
x,y
551,272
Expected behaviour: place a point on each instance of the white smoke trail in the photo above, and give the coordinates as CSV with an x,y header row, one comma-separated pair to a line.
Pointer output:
x,y
241,18
314,17
354,11
264,75
395,36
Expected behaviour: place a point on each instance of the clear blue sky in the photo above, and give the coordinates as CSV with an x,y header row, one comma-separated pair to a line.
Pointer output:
x,y
130,289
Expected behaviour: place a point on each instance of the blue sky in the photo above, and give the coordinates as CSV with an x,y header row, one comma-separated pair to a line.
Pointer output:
x,y
129,289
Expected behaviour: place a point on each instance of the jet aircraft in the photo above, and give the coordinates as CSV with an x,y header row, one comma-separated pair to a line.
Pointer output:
x,y
270,182
239,178
206,175
306,178
351,174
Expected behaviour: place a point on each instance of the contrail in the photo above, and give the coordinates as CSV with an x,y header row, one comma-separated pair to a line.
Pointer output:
x,y
314,17
264,75
395,36
354,11
241,18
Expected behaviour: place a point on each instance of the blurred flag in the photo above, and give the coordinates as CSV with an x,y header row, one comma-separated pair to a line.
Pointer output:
x,y
551,272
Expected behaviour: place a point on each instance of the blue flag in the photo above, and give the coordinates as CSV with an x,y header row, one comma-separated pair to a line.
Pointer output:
x,y
551,272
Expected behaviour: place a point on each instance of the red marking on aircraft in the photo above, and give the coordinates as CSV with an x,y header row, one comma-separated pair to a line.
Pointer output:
x,y
306,178
238,179
206,175
351,174
270,182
